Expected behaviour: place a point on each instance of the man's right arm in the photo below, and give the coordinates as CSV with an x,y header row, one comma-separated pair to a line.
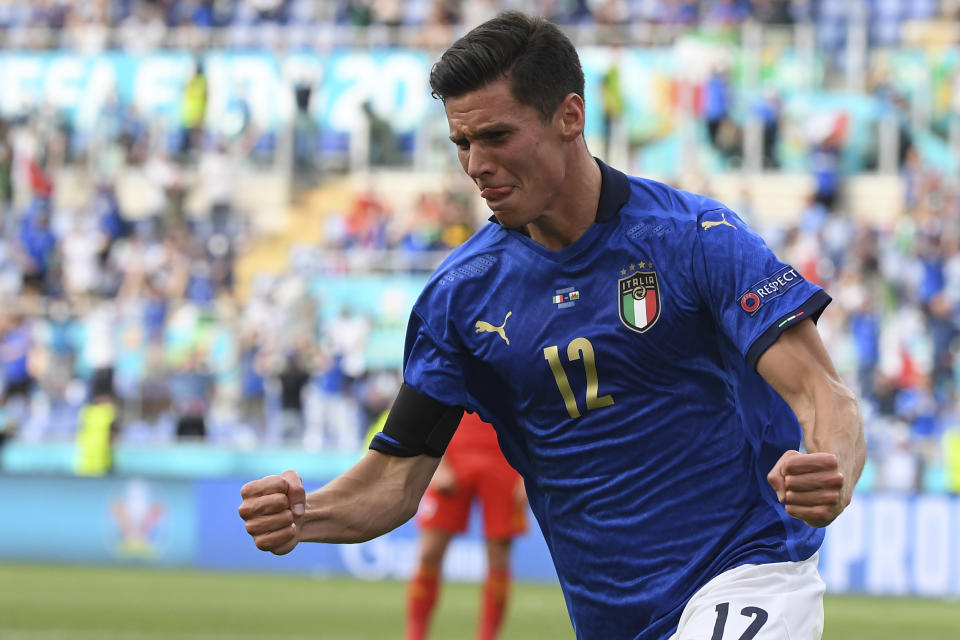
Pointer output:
x,y
374,496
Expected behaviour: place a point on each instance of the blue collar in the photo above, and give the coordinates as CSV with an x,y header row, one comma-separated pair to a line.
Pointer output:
x,y
614,192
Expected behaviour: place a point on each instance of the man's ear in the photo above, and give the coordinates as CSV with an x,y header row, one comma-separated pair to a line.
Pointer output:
x,y
570,117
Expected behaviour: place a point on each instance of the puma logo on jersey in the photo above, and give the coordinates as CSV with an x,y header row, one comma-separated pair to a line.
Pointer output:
x,y
485,327
716,223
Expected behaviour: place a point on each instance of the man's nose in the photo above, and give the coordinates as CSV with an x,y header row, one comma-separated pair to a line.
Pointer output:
x,y
478,163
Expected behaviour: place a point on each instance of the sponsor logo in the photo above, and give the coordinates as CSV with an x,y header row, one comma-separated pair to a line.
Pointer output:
x,y
566,297
769,288
639,295
482,326
710,224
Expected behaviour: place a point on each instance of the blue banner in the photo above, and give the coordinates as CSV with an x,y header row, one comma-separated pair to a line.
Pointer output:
x,y
895,545
98,520
883,544
85,88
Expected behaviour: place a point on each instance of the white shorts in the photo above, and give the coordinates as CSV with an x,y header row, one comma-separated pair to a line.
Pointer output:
x,y
777,601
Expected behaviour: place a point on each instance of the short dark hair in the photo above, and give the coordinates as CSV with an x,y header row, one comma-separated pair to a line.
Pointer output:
x,y
540,62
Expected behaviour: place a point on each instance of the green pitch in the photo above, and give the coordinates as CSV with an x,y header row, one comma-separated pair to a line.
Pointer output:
x,y
82,603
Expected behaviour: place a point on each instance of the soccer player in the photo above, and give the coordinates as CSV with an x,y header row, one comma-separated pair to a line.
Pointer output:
x,y
472,467
650,366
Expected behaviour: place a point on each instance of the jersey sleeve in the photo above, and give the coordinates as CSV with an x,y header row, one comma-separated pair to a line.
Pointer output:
x,y
753,296
431,362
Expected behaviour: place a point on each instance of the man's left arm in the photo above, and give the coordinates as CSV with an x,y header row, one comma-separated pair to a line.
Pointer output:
x,y
817,485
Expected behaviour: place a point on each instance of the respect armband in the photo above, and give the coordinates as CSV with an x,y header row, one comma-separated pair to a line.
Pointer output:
x,y
417,424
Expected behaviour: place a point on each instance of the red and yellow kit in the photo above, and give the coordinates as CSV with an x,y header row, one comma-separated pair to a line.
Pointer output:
x,y
481,472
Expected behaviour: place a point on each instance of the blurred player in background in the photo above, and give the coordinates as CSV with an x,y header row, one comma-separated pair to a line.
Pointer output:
x,y
651,367
98,427
472,467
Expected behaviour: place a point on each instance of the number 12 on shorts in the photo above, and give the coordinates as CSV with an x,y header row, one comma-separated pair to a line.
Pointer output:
x,y
723,610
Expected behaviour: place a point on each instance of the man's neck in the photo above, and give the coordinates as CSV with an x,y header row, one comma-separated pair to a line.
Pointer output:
x,y
575,208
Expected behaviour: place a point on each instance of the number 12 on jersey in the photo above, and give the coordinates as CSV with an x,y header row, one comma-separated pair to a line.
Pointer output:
x,y
579,348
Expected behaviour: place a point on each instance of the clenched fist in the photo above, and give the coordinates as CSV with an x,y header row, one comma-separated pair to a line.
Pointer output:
x,y
811,486
272,509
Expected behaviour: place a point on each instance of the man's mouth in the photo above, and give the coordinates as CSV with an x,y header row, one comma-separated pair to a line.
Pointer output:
x,y
495,193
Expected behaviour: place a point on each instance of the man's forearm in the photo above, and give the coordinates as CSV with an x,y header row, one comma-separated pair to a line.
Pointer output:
x,y
799,368
837,428
375,496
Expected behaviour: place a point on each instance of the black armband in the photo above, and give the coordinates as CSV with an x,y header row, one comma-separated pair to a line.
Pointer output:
x,y
417,425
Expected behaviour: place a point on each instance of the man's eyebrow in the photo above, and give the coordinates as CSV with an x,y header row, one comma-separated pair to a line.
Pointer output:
x,y
486,131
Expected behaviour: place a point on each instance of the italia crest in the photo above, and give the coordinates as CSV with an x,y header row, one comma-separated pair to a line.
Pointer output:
x,y
639,300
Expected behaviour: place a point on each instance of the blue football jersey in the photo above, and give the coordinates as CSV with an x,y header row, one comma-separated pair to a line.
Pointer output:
x,y
619,373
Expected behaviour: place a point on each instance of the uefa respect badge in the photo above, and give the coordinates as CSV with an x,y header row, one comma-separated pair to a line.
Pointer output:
x,y
768,289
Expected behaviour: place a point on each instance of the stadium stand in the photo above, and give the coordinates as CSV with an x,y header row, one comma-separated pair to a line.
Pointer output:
x,y
205,248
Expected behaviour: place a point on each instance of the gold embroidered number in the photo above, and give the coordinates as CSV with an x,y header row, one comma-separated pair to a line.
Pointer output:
x,y
577,349
553,357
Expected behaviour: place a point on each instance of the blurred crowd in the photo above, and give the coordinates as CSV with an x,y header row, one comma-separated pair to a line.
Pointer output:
x,y
144,310
130,294
893,329
142,24
147,314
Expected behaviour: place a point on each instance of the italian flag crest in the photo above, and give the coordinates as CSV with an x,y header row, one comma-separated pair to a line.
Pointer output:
x,y
639,300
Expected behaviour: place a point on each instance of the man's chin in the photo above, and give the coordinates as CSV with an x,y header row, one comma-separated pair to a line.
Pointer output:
x,y
506,220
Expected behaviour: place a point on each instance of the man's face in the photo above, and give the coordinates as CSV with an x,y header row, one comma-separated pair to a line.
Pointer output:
x,y
512,155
